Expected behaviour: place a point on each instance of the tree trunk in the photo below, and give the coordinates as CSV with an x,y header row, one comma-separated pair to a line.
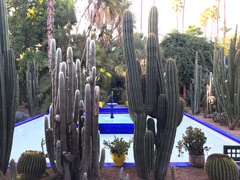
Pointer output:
x,y
183,16
184,90
141,16
224,21
218,15
50,26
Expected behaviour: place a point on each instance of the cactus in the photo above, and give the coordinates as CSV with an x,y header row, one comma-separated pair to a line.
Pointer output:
x,y
121,175
149,153
13,170
32,164
8,88
76,151
147,97
173,172
221,167
195,89
227,81
32,87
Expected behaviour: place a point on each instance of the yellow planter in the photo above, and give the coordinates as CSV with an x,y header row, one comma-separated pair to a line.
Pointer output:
x,y
126,103
118,161
101,103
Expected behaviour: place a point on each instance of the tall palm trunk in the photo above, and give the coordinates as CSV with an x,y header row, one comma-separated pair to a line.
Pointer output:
x,y
183,8
218,15
177,20
50,26
224,21
141,15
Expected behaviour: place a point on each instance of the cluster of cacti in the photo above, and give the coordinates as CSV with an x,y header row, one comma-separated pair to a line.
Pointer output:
x,y
32,164
121,175
32,87
195,89
76,150
227,81
221,167
7,90
147,97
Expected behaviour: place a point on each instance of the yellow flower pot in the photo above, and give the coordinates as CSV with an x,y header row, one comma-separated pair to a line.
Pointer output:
x,y
126,103
118,161
101,103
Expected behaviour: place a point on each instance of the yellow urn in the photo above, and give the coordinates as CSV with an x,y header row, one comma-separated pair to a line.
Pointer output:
x,y
118,161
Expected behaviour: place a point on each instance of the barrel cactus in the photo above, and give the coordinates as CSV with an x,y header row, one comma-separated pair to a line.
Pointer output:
x,y
7,91
221,167
74,152
32,164
147,96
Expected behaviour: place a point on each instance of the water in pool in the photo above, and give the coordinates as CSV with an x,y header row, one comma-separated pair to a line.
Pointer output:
x,y
29,136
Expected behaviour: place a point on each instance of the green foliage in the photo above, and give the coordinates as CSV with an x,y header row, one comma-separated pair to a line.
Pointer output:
x,y
194,30
118,145
118,95
27,24
183,47
193,141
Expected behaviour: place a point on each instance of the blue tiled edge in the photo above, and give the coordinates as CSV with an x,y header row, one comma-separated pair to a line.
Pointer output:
x,y
115,110
28,120
224,133
129,164
116,128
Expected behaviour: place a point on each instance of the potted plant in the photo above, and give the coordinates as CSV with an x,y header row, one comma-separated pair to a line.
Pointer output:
x,y
193,141
118,148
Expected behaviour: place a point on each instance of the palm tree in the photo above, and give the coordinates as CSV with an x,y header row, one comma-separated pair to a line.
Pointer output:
x,y
204,17
183,11
224,21
218,5
177,6
50,26
68,16
213,14
141,16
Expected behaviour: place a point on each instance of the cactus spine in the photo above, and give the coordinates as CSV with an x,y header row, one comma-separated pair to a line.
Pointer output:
x,y
8,88
32,87
221,167
76,151
227,81
147,97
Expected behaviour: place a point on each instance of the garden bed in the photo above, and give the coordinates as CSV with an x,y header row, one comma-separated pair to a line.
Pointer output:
x,y
110,173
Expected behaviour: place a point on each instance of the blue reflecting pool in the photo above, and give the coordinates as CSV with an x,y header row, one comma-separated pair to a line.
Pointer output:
x,y
28,136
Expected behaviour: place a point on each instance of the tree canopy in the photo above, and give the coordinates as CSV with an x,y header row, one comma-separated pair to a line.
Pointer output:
x,y
182,48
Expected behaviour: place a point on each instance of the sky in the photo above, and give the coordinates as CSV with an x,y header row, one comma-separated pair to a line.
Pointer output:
x,y
167,17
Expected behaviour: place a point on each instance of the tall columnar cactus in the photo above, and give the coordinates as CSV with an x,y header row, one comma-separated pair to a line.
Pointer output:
x,y
147,97
73,151
221,167
227,81
7,90
195,89
32,87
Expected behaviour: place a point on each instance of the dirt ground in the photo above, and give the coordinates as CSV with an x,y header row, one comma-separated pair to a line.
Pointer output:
x,y
112,173
182,173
